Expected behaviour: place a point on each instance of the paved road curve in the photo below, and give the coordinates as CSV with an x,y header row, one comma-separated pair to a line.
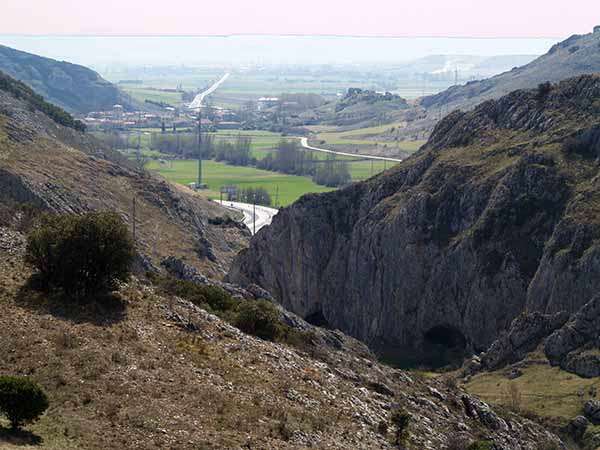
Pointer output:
x,y
197,102
264,215
304,143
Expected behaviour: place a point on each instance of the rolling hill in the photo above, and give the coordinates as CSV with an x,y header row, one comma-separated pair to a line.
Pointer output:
x,y
74,88
577,55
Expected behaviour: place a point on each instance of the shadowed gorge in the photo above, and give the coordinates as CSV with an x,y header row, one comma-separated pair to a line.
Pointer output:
x,y
464,236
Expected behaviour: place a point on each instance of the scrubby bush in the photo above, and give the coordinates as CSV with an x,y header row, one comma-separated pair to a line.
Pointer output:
x,y
401,419
259,318
21,400
212,298
81,254
543,90
586,143
256,317
382,428
481,445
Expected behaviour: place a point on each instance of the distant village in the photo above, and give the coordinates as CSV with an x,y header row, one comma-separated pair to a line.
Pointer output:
x,y
173,118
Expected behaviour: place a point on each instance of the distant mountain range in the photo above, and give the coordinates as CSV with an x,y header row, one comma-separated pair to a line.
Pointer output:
x,y
75,88
464,66
577,55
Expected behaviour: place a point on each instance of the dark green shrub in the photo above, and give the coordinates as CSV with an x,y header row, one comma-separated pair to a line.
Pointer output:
x,y
259,318
586,143
481,445
21,400
543,90
81,254
401,419
382,428
213,298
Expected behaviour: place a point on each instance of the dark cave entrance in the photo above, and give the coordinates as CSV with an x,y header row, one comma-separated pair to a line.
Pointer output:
x,y
317,319
444,345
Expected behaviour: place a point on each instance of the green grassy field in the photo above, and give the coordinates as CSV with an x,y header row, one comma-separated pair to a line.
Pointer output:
x,y
366,136
218,174
143,93
544,390
361,170
262,141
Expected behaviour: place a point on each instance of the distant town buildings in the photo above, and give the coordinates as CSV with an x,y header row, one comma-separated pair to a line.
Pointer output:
x,y
118,118
266,102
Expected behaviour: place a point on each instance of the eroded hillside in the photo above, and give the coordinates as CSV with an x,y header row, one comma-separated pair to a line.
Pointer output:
x,y
52,167
153,371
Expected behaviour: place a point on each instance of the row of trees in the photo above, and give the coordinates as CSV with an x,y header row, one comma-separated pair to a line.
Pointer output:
x,y
237,152
332,173
183,144
258,195
289,158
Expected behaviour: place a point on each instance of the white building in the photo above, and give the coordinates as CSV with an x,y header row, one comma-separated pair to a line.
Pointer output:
x,y
266,102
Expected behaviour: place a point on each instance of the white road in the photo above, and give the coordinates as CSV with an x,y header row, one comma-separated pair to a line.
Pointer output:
x,y
264,215
198,99
304,143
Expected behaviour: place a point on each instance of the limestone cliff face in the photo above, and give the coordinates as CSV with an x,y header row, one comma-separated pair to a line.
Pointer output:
x,y
498,213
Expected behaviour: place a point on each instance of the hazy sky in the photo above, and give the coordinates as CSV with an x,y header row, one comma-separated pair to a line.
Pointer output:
x,y
481,18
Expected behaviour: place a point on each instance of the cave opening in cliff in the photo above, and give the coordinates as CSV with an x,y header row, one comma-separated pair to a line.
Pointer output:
x,y
444,345
317,319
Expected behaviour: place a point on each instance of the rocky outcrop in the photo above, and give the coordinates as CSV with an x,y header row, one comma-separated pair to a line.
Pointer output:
x,y
591,409
524,335
584,362
328,338
495,215
577,427
576,346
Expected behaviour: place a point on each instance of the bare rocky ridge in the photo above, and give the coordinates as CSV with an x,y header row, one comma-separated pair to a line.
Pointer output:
x,y
577,55
569,342
498,213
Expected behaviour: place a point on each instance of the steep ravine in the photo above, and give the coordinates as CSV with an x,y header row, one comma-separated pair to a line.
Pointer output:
x,y
498,213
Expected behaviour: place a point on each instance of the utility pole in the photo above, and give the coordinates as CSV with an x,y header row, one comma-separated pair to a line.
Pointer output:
x,y
133,219
198,186
254,213
139,142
